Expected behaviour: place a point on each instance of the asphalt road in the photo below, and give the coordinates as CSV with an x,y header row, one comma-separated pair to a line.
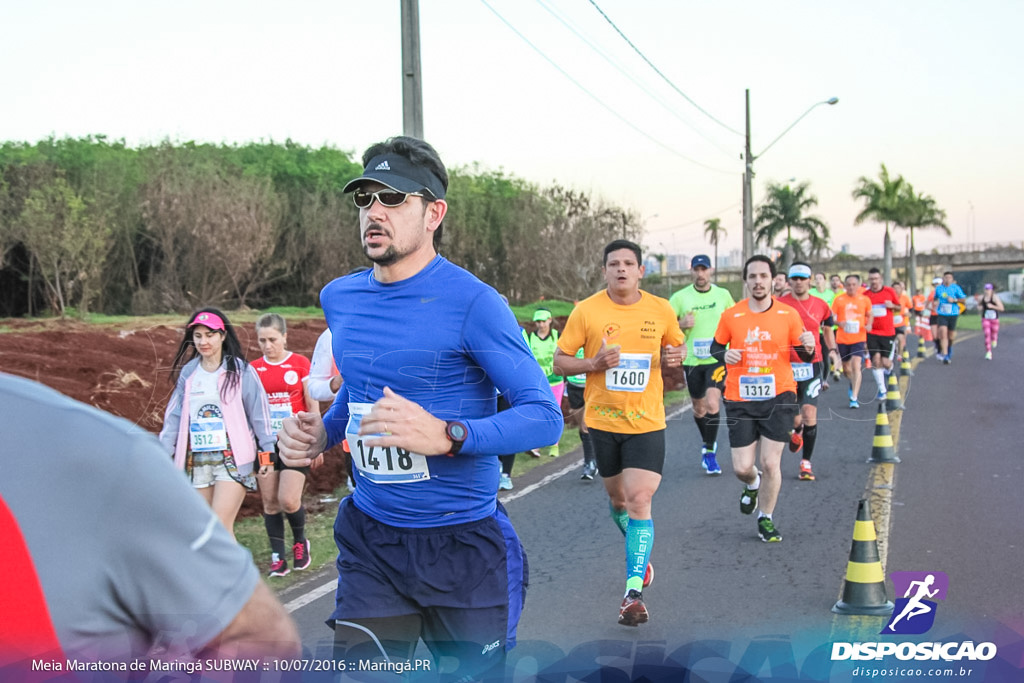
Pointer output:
x,y
726,606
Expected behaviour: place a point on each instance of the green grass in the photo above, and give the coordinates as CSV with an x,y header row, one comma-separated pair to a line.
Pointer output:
x,y
251,533
557,308
973,322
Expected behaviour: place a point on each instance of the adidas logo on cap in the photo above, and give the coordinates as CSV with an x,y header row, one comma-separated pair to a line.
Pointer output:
x,y
382,166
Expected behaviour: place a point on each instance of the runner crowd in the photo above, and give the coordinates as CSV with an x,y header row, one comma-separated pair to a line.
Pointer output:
x,y
433,422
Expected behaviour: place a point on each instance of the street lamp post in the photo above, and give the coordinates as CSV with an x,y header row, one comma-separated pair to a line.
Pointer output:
x,y
748,174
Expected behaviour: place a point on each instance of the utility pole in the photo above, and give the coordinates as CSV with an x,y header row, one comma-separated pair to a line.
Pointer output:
x,y
412,90
748,210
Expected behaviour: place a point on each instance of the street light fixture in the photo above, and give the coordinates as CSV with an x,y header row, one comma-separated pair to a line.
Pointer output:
x,y
748,174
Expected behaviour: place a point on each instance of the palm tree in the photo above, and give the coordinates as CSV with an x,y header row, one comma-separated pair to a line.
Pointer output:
x,y
882,203
714,231
783,211
919,211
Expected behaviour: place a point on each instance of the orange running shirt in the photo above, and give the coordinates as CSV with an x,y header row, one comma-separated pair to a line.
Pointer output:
x,y
765,339
628,399
901,317
851,313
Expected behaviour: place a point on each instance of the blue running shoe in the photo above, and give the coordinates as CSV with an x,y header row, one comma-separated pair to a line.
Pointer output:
x,y
711,464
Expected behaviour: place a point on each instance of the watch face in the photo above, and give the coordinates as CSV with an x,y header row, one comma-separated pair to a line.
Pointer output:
x,y
457,431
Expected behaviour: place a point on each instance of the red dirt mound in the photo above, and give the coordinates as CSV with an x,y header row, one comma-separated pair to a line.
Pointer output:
x,y
125,370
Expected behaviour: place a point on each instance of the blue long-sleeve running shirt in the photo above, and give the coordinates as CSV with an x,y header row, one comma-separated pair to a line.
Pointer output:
x,y
446,341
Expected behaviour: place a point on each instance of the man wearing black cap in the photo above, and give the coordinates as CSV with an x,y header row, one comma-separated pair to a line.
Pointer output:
x,y
699,306
424,347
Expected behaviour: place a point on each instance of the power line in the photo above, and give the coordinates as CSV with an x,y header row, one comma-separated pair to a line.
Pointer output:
x,y
601,102
658,71
713,214
671,110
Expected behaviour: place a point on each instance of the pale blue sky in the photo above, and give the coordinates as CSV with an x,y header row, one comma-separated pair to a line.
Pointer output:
x,y
930,88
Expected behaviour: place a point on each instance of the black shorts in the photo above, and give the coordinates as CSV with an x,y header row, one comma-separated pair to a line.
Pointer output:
x,y
807,391
880,344
772,419
575,395
947,321
700,378
848,351
280,467
615,452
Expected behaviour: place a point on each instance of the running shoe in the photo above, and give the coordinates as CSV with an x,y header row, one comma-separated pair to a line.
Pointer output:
x,y
796,441
748,500
988,354
278,567
806,474
553,451
767,532
940,357
589,470
300,551
535,452
946,360
633,611
854,404
710,463
505,484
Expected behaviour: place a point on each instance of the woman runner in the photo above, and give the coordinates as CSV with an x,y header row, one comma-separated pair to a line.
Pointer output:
x,y
285,377
217,415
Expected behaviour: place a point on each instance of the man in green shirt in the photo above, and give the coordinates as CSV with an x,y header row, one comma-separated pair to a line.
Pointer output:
x,y
699,306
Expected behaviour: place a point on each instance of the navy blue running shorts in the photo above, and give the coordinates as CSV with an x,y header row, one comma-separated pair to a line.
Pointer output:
x,y
466,582
615,452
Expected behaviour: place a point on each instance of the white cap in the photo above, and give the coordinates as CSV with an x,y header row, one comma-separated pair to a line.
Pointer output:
x,y
937,281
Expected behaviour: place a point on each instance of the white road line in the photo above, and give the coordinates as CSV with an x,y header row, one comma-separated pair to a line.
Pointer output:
x,y
312,595
329,587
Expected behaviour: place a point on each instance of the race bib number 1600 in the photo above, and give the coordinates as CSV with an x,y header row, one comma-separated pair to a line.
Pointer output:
x,y
632,374
383,465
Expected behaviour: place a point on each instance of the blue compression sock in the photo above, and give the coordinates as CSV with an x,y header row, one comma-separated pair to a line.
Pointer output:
x,y
639,541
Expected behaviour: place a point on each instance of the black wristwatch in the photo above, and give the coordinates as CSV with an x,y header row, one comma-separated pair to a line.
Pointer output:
x,y
457,433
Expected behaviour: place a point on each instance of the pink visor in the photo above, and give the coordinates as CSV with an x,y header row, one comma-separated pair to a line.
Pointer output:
x,y
211,320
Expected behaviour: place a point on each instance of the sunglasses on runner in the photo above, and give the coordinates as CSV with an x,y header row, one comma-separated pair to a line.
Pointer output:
x,y
388,198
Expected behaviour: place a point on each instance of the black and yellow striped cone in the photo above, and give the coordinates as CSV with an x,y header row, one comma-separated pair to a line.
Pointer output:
x,y
882,449
893,401
864,589
905,368
920,347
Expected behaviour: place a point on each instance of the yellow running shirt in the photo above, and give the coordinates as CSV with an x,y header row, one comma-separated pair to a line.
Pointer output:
x,y
627,399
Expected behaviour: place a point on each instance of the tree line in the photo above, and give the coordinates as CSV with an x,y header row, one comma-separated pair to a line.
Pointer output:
x,y
93,225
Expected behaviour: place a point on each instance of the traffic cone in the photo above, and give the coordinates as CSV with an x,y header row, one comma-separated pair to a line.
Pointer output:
x,y
893,401
882,449
905,367
864,589
920,347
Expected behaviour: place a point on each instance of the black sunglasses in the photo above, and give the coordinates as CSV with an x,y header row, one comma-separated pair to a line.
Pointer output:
x,y
388,198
